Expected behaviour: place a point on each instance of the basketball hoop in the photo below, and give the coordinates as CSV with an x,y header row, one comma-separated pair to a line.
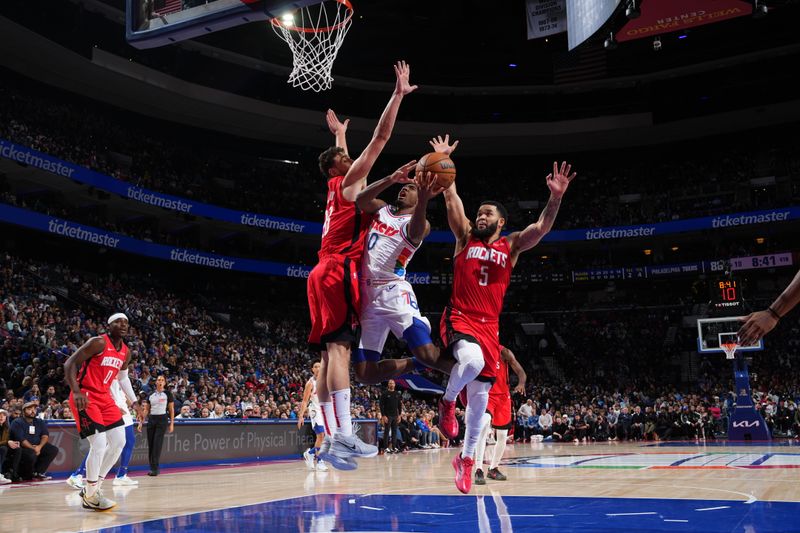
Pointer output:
x,y
314,35
729,348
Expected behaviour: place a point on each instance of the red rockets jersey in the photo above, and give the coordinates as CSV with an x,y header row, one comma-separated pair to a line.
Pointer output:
x,y
500,386
97,372
481,274
345,225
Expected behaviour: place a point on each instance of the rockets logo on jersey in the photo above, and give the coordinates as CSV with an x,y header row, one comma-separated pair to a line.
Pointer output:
x,y
481,275
487,254
99,371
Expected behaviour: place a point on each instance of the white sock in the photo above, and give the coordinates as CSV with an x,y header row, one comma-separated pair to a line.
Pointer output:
x,y
486,427
341,411
477,400
469,357
499,448
329,418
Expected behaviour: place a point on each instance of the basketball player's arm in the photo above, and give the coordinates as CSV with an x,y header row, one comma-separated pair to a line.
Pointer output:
x,y
92,347
508,357
356,177
418,227
458,221
303,405
338,129
557,181
758,324
367,200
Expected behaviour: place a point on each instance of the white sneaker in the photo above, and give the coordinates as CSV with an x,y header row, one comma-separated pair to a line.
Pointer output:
x,y
124,481
344,450
76,482
321,466
97,501
309,459
4,480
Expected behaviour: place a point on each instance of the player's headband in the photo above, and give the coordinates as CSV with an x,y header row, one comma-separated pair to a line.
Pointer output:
x,y
116,316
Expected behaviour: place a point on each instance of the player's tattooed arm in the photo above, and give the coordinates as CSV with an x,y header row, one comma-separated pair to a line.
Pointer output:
x,y
557,181
338,129
456,218
367,200
356,177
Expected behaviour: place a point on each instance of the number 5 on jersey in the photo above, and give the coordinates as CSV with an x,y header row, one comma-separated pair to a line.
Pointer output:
x,y
484,281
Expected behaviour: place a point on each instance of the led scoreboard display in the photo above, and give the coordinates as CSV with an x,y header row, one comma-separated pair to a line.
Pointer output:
x,y
726,294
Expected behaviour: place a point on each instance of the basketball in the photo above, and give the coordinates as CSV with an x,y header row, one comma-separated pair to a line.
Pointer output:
x,y
441,165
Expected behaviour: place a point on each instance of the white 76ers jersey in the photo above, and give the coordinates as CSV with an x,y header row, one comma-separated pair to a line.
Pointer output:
x,y
388,248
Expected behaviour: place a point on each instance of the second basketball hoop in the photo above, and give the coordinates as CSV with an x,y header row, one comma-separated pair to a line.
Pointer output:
x,y
314,34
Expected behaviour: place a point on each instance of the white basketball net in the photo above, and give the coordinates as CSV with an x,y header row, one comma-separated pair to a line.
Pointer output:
x,y
314,35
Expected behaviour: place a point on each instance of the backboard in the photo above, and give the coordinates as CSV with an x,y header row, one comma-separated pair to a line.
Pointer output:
x,y
712,333
152,23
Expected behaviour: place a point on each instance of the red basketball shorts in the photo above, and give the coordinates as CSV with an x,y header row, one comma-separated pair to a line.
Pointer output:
x,y
333,301
101,413
456,326
500,409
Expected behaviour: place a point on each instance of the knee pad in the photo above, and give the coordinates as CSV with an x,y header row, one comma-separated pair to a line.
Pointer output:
x,y
418,333
469,354
362,356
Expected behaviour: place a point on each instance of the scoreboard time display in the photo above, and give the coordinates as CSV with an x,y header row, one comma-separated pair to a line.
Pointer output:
x,y
726,294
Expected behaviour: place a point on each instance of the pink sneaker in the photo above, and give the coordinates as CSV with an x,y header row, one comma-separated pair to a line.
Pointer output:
x,y
463,467
447,419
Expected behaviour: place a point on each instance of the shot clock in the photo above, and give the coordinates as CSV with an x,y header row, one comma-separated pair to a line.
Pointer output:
x,y
726,295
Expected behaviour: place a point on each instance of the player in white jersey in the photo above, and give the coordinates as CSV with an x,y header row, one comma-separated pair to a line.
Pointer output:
x,y
311,404
388,302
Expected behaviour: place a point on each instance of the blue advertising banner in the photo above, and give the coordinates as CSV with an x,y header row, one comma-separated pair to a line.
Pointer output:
x,y
28,156
73,230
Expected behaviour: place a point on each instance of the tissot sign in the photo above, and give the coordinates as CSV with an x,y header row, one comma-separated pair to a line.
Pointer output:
x,y
665,16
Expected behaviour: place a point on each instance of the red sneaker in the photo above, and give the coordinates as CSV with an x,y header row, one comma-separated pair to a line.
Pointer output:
x,y
463,467
462,397
447,419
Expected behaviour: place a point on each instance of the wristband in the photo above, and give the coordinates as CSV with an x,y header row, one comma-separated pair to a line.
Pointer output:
x,y
773,313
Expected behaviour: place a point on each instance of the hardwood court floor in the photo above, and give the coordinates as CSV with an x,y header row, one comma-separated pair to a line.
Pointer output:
x,y
553,478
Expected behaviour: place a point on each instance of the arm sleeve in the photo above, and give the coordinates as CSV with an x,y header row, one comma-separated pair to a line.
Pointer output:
x,y
17,433
125,384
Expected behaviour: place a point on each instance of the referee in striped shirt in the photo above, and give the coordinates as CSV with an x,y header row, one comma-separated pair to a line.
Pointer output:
x,y
160,414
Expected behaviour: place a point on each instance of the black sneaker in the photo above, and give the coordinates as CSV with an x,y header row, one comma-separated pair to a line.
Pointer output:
x,y
479,479
41,477
496,474
152,473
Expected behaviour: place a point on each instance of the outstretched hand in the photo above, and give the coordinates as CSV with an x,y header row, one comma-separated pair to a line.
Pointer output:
x,y
755,326
558,181
334,124
401,174
403,86
443,146
427,187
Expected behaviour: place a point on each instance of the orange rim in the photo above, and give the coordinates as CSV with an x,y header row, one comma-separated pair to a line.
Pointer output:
x,y
346,3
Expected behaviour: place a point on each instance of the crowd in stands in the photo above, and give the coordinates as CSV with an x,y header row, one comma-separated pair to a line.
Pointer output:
x,y
190,165
614,380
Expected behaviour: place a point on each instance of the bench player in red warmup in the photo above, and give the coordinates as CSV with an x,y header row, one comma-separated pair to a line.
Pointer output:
x,y
333,296
482,264
89,373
